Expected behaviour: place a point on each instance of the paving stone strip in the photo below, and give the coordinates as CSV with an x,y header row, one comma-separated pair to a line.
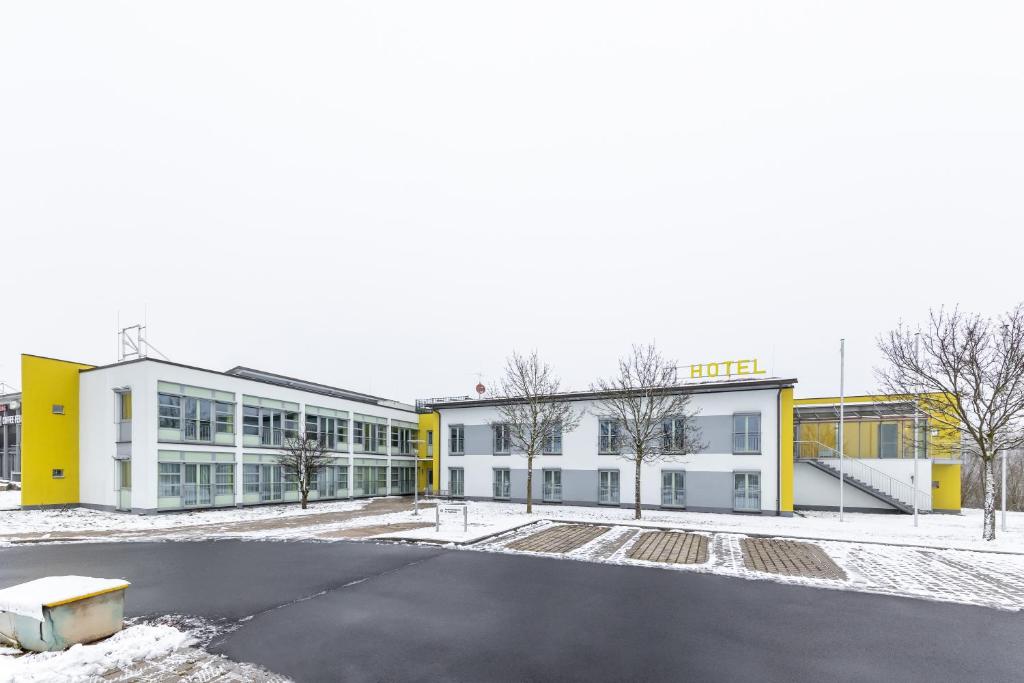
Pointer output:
x,y
670,546
559,539
790,558
608,546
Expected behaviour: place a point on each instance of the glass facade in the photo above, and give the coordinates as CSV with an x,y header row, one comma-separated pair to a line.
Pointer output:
x,y
862,438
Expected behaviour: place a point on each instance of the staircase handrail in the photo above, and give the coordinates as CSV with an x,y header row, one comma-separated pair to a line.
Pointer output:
x,y
875,478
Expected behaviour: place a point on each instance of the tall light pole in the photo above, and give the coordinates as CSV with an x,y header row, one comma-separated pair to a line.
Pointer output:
x,y
842,415
1006,454
917,428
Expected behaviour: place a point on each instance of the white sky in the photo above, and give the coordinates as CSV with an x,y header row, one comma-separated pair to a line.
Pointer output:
x,y
391,196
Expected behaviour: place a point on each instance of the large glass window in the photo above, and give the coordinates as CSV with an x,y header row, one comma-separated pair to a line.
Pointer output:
x,y
369,437
608,436
674,434
502,439
608,487
251,478
225,417
170,480
402,439
456,482
746,433
553,441
673,489
888,440
197,416
552,486
502,483
272,425
170,411
225,479
323,430
457,439
747,491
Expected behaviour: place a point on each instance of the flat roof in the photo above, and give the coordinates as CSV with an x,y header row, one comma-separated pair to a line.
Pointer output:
x,y
263,377
697,387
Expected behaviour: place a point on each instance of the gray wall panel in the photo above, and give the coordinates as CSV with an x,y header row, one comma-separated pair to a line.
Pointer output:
x,y
518,483
716,432
579,485
709,489
479,440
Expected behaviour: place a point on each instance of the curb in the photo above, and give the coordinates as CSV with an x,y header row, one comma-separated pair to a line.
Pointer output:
x,y
468,541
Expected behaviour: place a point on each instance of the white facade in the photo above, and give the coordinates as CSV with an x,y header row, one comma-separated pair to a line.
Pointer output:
x,y
708,478
103,448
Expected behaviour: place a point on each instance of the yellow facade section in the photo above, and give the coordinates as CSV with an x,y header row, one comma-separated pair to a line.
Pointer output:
x,y
49,431
429,464
786,449
945,496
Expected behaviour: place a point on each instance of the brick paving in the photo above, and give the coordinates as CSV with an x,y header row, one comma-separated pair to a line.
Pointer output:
x,y
790,558
559,539
670,546
611,542
191,665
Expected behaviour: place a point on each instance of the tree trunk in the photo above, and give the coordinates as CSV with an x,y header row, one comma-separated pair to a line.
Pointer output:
x,y
305,499
529,484
988,532
636,490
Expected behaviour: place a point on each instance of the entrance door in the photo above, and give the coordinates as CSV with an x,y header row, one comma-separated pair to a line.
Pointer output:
x,y
124,484
747,487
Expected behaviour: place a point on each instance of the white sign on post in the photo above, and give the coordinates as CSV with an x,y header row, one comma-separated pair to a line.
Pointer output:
x,y
451,509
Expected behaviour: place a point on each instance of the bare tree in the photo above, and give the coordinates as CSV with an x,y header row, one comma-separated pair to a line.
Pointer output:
x,y
968,378
300,457
534,415
653,420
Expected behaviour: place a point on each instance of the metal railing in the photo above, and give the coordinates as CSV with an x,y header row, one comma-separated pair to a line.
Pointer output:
x,y
747,500
198,430
196,494
673,497
553,492
746,443
856,468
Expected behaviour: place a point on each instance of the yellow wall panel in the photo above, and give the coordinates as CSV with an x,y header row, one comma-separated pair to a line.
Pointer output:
x,y
786,450
49,440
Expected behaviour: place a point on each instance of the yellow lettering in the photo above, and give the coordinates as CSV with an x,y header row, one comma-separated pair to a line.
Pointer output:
x,y
728,367
756,371
695,371
712,369
742,367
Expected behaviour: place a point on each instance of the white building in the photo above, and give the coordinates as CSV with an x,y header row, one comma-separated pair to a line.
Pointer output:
x,y
742,469
156,435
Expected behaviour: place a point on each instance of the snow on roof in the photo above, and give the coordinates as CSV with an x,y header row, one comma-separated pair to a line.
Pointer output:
x,y
28,599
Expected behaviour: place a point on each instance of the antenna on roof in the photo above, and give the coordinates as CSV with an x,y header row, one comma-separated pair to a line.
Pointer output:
x,y
134,344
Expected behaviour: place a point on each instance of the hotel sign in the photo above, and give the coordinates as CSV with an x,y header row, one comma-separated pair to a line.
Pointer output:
x,y
725,368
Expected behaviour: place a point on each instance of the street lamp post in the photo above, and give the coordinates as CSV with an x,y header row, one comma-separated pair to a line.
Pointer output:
x,y
842,410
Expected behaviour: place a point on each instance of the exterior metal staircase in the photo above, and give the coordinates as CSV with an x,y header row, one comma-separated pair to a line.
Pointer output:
x,y
871,481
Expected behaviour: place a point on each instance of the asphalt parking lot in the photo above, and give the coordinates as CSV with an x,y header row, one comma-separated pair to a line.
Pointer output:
x,y
387,612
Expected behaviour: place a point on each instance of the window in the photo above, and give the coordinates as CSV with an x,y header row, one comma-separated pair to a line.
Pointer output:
x,y
552,486
746,433
357,434
674,434
502,484
170,411
457,482
609,436
457,439
502,439
401,479
124,475
553,441
747,491
370,437
342,432
272,425
224,478
322,430
57,409
888,440
401,440
673,489
608,487
124,406
250,420
169,480
224,415
251,478
382,436
57,473
197,417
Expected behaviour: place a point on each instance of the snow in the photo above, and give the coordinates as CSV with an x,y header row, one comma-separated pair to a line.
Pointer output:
x,y
59,522
89,662
10,500
29,598
961,531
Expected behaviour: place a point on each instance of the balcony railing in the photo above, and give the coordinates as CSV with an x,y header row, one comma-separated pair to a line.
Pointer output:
x,y
553,493
673,497
746,443
198,431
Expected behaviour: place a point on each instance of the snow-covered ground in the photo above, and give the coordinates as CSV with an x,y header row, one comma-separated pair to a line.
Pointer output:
x,y
82,519
10,500
961,531
89,662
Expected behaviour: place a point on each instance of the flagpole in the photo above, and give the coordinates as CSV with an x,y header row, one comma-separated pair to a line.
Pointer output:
x,y
842,411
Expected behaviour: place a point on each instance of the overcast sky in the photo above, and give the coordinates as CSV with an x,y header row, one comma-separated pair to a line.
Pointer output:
x,y
391,196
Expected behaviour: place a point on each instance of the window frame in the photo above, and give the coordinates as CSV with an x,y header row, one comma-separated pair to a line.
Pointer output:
x,y
457,436
501,434
553,441
746,474
610,443
751,440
